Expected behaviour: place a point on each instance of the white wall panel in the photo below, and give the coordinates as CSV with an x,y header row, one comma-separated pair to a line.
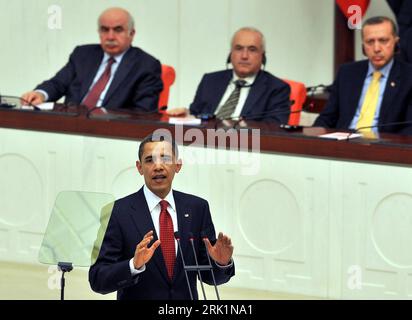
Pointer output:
x,y
301,225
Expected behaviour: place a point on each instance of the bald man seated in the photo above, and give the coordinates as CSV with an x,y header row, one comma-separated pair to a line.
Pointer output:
x,y
113,75
244,92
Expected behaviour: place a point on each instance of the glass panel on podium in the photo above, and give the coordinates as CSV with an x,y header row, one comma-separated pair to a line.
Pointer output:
x,y
75,231
76,228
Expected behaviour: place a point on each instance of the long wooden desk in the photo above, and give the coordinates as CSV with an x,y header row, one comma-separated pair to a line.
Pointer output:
x,y
388,148
306,215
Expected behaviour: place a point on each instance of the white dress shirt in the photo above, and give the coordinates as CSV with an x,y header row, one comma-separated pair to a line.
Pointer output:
x,y
244,92
153,203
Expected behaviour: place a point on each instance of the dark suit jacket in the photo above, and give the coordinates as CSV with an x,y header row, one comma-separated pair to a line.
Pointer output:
x,y
346,91
403,12
268,98
136,84
129,222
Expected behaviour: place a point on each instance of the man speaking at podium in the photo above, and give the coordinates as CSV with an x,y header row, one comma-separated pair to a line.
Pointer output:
x,y
139,256
112,75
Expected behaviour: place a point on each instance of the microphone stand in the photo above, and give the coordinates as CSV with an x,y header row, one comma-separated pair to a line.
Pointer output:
x,y
197,264
211,270
258,116
103,112
358,130
177,237
197,268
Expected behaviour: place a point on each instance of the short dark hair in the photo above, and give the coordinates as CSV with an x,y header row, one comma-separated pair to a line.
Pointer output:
x,y
379,20
158,137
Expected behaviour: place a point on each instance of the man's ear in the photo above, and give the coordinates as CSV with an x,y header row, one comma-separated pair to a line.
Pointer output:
x,y
179,165
139,167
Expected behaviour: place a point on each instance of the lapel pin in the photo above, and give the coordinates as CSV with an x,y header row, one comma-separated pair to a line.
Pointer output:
x,y
186,215
392,84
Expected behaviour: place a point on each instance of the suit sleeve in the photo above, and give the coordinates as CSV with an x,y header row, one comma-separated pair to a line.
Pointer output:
x,y
408,128
148,88
58,86
279,103
329,116
198,104
111,272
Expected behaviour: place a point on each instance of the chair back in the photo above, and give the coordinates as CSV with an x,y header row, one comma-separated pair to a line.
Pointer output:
x,y
168,78
298,96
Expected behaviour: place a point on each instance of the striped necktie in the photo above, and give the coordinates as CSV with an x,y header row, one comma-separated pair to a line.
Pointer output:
x,y
230,105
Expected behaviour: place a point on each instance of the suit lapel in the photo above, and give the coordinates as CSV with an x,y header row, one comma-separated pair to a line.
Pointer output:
x,y
143,221
121,73
219,90
391,90
256,91
355,85
92,67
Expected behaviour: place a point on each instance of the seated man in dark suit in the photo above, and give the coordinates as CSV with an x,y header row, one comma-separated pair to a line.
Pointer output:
x,y
130,260
246,91
372,93
112,75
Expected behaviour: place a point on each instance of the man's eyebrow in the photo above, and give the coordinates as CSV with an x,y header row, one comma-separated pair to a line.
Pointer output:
x,y
107,27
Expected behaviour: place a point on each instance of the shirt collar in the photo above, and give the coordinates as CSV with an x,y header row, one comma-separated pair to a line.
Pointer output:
x,y
117,57
384,71
153,200
249,80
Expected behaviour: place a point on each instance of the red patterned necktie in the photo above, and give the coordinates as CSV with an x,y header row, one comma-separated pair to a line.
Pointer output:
x,y
93,96
167,241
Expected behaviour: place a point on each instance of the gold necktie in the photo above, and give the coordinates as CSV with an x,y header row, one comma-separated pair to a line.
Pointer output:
x,y
370,103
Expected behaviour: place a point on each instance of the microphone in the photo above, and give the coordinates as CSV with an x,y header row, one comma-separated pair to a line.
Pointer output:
x,y
7,105
204,237
177,237
264,113
388,124
258,116
191,240
104,110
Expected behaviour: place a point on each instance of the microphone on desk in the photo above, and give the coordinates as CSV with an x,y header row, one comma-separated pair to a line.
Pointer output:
x,y
191,240
104,110
177,237
260,115
388,124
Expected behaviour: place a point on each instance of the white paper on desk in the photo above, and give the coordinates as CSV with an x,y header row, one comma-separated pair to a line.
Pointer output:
x,y
47,106
185,121
340,135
